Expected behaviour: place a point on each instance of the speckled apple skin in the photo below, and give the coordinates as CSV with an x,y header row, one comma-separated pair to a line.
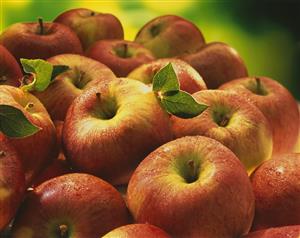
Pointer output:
x,y
220,203
276,185
217,63
248,133
87,205
9,68
279,107
38,150
12,183
112,149
137,231
278,232
189,79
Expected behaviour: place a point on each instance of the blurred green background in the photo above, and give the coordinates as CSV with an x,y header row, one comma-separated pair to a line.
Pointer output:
x,y
265,33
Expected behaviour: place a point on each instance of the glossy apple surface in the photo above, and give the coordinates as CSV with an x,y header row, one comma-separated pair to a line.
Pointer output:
x,y
73,205
91,26
119,55
109,129
10,71
233,121
277,191
84,73
276,103
169,36
192,187
189,79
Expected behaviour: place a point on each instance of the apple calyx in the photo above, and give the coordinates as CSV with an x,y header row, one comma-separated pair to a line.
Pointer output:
x,y
63,231
173,100
3,79
155,30
41,26
29,106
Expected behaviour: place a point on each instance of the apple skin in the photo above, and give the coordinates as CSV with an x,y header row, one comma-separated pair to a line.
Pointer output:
x,y
137,231
91,26
277,104
297,146
10,71
84,73
24,41
189,79
12,183
169,35
277,191
277,232
120,56
247,132
217,63
217,202
110,128
86,205
38,150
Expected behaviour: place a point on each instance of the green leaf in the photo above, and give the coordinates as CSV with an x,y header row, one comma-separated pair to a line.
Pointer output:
x,y
165,80
13,123
41,71
58,69
181,104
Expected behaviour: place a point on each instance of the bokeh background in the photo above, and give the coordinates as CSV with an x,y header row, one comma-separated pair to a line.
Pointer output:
x,y
265,33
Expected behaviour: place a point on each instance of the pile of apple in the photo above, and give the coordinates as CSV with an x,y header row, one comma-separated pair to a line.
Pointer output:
x,y
163,136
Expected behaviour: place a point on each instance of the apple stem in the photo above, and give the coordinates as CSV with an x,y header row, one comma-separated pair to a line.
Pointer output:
x,y
92,13
63,231
3,78
2,153
125,50
41,25
258,84
29,105
98,95
193,170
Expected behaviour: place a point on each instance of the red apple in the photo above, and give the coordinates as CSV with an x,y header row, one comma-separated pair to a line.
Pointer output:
x,y
39,40
276,103
119,55
217,63
73,205
110,128
137,231
91,26
233,121
84,73
35,151
169,36
192,187
10,71
12,183
190,81
278,232
276,186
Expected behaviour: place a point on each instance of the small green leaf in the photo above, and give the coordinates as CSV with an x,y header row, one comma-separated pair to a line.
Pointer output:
x,y
13,123
165,80
41,71
58,69
181,104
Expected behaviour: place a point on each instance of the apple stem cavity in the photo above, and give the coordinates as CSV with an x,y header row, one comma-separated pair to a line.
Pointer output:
x,y
63,231
41,24
154,30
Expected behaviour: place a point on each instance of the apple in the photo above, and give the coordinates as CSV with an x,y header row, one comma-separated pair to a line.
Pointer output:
x,y
72,205
233,121
137,231
192,187
110,128
277,191
91,26
12,183
120,56
297,147
189,79
169,36
35,151
277,232
10,71
84,73
276,103
39,40
217,63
